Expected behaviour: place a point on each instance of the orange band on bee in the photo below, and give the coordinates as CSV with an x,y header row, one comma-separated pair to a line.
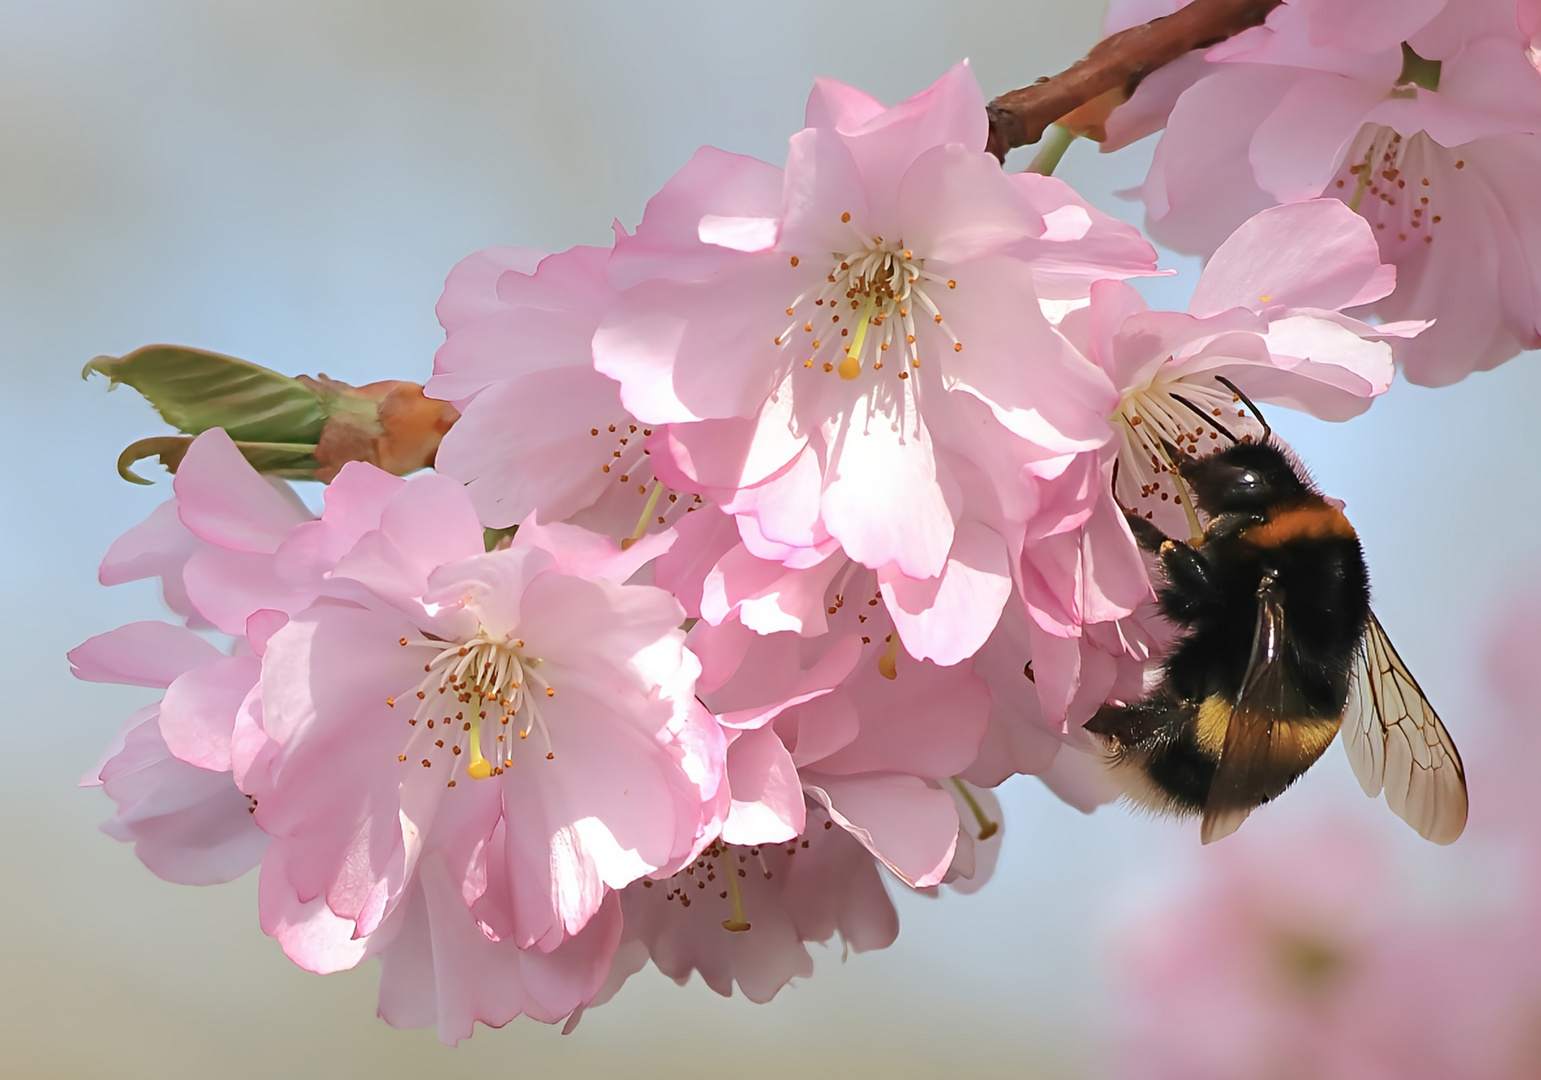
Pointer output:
x,y
1316,522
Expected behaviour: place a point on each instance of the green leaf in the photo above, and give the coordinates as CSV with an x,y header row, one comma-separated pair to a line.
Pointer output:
x,y
491,538
195,390
291,461
1417,71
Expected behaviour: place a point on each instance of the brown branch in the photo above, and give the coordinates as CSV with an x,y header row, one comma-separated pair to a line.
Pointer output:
x,y
1119,62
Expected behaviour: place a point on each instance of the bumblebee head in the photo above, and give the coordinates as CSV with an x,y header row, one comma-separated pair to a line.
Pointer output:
x,y
1245,476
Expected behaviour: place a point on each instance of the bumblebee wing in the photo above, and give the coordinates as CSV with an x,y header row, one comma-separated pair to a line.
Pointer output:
x,y
1394,740
1252,768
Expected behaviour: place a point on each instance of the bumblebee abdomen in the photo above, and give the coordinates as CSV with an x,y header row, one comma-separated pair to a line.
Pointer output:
x,y
1166,752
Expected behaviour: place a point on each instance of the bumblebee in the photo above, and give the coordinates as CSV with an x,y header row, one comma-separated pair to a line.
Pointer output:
x,y
1279,652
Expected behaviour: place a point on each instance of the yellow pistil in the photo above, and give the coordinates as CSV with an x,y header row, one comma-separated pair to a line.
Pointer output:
x,y
647,512
738,923
850,367
479,768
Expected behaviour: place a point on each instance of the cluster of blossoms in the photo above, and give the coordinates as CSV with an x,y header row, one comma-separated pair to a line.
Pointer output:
x,y
1424,116
769,539
1300,949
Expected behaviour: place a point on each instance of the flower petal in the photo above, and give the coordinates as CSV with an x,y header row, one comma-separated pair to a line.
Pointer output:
x,y
141,654
883,501
911,826
767,795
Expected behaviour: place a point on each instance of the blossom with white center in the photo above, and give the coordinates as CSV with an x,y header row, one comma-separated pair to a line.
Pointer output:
x,y
1266,318
885,287
1423,117
464,699
850,353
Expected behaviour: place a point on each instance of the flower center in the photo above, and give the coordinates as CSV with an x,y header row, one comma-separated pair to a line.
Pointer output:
x,y
867,310
627,462
476,696
626,440
1173,410
1392,183
864,585
725,873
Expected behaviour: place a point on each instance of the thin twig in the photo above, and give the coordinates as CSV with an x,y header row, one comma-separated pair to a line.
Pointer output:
x,y
1019,117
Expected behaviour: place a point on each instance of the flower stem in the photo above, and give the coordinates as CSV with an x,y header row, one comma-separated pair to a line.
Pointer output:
x,y
1055,142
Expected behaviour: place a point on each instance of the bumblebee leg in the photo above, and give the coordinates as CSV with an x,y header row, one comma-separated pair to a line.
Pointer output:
x,y
1139,724
1189,586
1227,525
1148,535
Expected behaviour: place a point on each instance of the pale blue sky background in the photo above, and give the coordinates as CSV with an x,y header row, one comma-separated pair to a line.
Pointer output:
x,y
290,182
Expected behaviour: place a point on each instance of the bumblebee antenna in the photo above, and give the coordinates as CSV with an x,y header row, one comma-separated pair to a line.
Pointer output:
x,y
1210,420
1114,488
1245,400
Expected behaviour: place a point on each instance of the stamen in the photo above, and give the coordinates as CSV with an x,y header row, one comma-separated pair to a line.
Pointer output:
x,y
987,827
481,672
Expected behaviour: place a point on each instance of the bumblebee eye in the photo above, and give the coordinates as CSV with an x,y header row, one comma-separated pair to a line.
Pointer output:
x,y
1247,479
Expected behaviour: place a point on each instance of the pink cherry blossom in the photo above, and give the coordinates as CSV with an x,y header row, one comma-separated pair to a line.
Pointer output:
x,y
712,572
847,720
541,432
1423,117
169,768
212,544
1042,689
440,966
1267,316
901,434
744,914
593,766
231,545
